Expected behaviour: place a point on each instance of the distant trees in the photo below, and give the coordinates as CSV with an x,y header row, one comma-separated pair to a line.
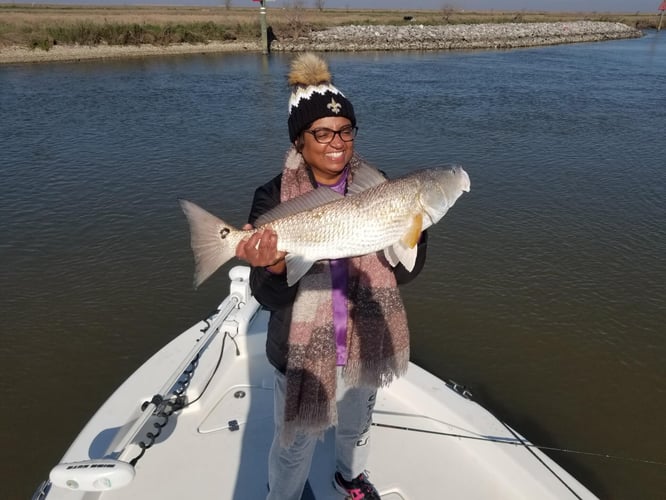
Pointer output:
x,y
319,4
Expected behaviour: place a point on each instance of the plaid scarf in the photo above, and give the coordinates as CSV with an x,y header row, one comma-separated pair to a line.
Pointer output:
x,y
377,332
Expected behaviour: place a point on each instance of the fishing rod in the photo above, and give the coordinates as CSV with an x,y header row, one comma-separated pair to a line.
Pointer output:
x,y
514,441
525,444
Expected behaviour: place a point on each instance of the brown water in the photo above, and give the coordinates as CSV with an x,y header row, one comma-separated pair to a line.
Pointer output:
x,y
544,290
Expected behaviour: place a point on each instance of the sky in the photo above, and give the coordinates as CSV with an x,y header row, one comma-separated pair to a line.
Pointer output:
x,y
511,5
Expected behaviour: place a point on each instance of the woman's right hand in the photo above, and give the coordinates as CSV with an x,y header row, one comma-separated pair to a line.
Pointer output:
x,y
260,250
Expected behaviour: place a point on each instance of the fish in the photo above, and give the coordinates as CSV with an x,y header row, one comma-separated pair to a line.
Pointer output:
x,y
377,214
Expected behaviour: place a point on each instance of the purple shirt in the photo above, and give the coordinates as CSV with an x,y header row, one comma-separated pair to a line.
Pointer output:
x,y
339,288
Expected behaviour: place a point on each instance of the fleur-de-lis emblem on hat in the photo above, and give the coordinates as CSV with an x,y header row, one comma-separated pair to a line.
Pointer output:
x,y
334,106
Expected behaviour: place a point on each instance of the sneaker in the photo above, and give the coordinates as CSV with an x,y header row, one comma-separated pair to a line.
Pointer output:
x,y
358,488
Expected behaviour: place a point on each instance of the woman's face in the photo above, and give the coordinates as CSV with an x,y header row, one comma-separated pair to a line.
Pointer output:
x,y
327,160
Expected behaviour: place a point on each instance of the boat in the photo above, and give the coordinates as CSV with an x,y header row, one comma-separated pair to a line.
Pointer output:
x,y
196,422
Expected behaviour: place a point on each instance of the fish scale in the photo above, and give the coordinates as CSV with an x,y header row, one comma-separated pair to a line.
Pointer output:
x,y
339,233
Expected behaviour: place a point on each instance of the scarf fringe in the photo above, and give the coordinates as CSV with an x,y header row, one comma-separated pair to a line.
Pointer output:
x,y
312,420
376,373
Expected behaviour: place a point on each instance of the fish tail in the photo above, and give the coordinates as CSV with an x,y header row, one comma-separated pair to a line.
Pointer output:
x,y
211,239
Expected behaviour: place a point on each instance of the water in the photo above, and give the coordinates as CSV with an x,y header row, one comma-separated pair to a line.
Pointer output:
x,y
544,289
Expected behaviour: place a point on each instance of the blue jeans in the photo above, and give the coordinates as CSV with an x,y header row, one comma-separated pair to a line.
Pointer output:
x,y
289,467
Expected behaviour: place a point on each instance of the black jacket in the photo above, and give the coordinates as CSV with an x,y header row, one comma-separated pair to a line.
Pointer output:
x,y
272,291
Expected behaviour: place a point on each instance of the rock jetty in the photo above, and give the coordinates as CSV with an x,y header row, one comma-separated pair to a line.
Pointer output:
x,y
356,38
459,36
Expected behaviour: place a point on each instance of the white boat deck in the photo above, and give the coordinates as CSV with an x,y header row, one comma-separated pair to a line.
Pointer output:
x,y
200,456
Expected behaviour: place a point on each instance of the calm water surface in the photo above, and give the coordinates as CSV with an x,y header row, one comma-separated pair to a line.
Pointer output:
x,y
545,288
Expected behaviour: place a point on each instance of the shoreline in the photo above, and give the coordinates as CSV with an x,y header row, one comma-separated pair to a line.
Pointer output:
x,y
77,53
355,38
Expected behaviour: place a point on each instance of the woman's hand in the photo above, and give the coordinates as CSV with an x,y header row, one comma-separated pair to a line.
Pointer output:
x,y
260,250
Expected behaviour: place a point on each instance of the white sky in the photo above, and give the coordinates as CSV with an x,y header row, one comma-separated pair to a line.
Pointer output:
x,y
511,5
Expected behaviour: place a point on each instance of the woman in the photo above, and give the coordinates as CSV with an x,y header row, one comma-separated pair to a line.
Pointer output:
x,y
341,331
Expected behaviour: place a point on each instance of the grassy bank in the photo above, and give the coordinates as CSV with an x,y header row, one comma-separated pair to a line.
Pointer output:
x,y
43,26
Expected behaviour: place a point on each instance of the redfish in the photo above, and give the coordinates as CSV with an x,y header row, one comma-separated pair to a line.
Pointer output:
x,y
377,214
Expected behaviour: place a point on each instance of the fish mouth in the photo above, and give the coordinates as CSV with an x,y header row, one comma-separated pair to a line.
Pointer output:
x,y
465,183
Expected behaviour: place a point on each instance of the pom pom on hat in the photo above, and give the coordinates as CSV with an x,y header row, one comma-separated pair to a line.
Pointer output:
x,y
309,69
313,95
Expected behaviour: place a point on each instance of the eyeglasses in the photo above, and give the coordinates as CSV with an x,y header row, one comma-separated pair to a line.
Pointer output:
x,y
326,135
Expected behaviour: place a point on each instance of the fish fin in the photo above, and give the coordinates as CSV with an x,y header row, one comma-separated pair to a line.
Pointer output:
x,y
209,240
406,255
391,256
297,266
405,250
308,201
411,237
365,177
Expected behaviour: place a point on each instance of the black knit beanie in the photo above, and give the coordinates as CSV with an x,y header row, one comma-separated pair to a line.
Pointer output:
x,y
313,95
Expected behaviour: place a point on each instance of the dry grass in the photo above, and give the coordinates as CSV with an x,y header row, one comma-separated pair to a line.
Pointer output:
x,y
35,25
